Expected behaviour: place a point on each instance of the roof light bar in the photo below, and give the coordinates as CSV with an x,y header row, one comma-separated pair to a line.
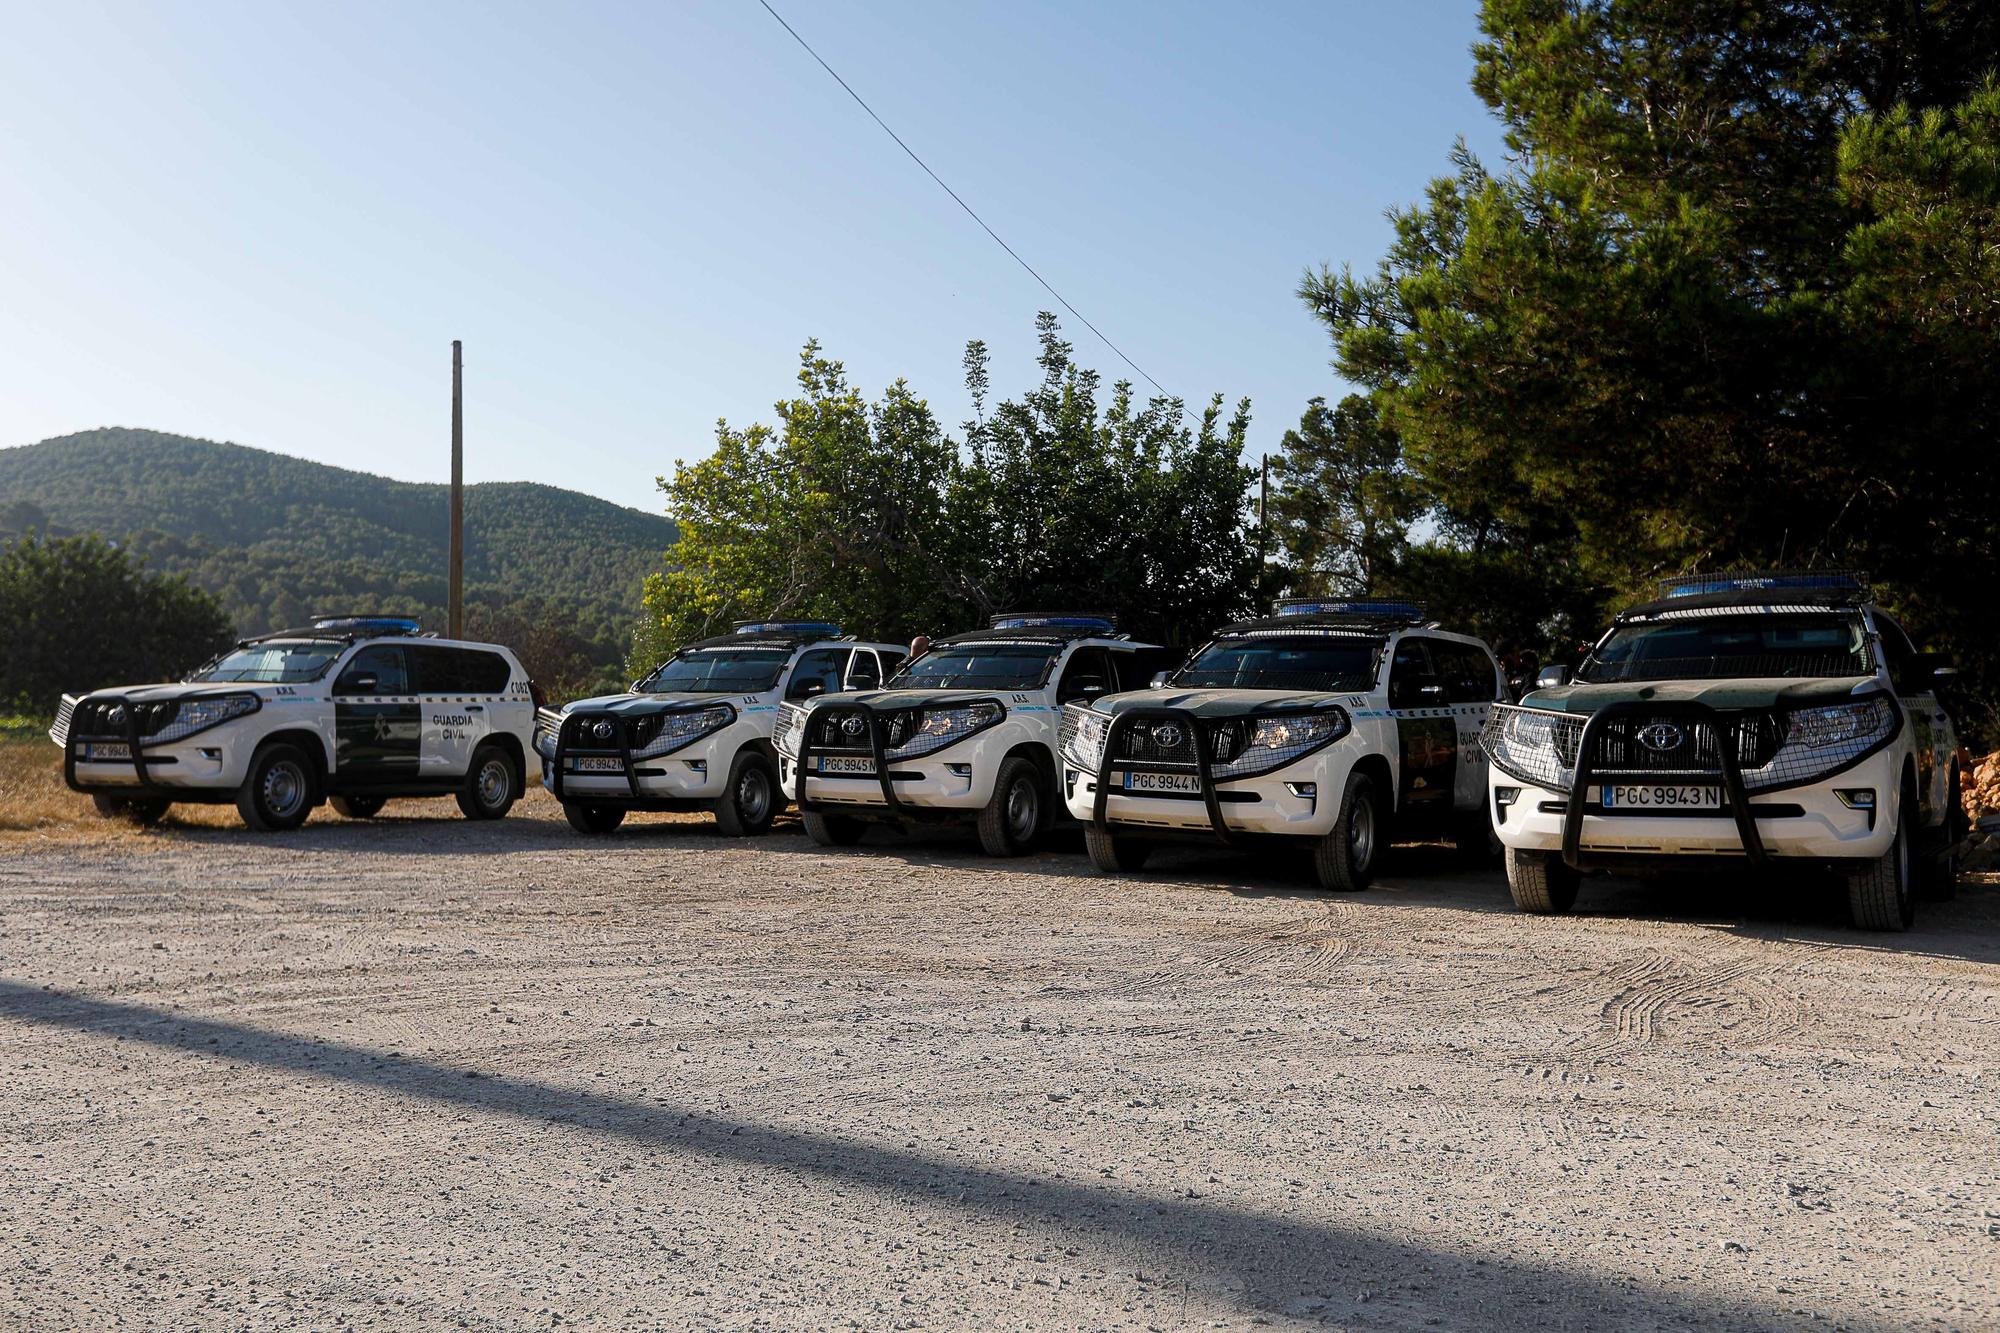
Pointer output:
x,y
1038,620
825,628
1361,608
368,624
1823,580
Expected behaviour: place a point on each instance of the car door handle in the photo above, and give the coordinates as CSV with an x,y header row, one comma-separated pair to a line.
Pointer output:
x,y
475,708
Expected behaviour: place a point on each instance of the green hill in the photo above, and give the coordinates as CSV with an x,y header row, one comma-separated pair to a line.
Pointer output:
x,y
279,539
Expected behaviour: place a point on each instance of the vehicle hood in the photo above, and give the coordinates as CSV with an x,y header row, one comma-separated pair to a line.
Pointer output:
x,y
1785,692
1218,703
896,701
182,689
645,705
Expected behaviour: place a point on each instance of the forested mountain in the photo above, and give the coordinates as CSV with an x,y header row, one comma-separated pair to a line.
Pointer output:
x,y
279,539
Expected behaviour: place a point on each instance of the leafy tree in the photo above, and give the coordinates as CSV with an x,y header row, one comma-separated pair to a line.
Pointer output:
x,y
78,613
1706,317
1343,502
870,514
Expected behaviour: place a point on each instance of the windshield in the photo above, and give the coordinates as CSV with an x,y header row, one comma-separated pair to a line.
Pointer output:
x,y
1303,662
718,671
979,666
1718,647
272,663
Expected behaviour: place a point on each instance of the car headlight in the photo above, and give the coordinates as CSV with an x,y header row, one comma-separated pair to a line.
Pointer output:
x,y
1083,733
194,715
548,721
1278,741
1532,745
685,728
1822,740
940,727
791,726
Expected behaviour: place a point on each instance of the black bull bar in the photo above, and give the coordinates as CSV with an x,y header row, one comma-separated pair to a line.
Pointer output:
x,y
1725,751
1121,726
145,783
878,722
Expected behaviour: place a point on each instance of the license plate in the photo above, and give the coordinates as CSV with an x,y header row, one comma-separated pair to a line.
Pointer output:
x,y
852,765
1186,783
107,750
599,764
1663,798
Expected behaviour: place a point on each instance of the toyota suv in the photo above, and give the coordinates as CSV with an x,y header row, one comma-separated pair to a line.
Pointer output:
x,y
1743,718
1334,724
966,732
695,734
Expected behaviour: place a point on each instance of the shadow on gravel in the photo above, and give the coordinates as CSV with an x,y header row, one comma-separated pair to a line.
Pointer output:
x,y
1278,1263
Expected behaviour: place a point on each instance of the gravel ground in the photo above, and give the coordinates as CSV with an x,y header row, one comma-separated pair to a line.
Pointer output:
x,y
419,1072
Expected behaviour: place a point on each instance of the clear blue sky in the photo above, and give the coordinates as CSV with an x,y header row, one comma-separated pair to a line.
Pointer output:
x,y
265,222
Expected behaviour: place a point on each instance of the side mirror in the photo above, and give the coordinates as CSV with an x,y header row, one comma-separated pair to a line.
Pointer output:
x,y
361,682
1551,677
1158,682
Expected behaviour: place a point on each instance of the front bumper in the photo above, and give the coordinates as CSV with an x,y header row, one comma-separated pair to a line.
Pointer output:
x,y
946,782
1300,801
697,772
206,762
1806,822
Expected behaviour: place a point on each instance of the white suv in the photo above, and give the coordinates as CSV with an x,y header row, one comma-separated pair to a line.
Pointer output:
x,y
696,733
965,732
1337,723
1736,718
352,709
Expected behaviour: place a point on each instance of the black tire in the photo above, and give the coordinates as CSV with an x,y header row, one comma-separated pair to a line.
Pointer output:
x,y
142,810
1345,859
752,799
1478,845
832,830
492,784
1018,812
1939,872
1881,894
357,807
280,789
1542,883
1115,853
593,819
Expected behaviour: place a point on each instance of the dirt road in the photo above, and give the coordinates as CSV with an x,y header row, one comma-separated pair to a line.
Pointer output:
x,y
420,1073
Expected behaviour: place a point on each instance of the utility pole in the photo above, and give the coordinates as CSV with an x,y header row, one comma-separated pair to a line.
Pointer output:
x,y
456,614
1263,521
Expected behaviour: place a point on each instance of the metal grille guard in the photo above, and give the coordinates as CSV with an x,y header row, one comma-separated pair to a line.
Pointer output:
x,y
566,730
146,783
876,749
1123,724
1732,772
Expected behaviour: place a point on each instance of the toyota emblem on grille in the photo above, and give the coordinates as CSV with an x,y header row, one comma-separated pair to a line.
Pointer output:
x,y
852,724
116,717
602,730
1167,735
1659,737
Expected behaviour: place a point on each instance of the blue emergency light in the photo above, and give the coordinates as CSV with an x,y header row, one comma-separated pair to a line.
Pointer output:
x,y
1095,624
823,628
368,624
1368,608
1830,580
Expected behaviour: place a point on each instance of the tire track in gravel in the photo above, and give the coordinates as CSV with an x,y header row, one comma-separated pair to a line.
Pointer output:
x,y
1733,1005
1303,950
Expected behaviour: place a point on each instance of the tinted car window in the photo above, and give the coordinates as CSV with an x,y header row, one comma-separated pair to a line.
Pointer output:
x,y
1086,667
864,672
821,666
381,661
457,670
1409,672
1466,670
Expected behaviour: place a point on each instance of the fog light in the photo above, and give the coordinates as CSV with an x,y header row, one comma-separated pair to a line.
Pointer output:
x,y
959,770
1859,798
1308,791
698,765
1503,797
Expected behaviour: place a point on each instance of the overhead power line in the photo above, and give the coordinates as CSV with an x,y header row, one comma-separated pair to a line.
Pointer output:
x,y
969,211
